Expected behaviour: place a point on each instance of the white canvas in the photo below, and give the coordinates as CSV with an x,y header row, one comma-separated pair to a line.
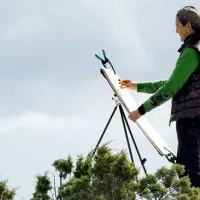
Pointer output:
x,y
129,104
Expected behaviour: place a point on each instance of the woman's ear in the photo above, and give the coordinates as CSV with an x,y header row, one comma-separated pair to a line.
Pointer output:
x,y
189,25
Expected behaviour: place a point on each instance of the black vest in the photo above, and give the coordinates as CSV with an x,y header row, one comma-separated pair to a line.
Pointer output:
x,y
186,102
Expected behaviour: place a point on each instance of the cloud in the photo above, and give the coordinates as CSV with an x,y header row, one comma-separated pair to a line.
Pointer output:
x,y
40,123
25,27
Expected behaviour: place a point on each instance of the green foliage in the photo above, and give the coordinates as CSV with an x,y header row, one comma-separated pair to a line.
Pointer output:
x,y
165,184
83,167
111,176
43,186
63,167
78,189
5,192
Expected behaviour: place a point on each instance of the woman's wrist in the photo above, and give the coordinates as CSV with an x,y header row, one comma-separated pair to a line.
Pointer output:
x,y
134,86
141,110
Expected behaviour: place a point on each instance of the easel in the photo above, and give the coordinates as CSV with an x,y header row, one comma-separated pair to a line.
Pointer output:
x,y
125,126
167,153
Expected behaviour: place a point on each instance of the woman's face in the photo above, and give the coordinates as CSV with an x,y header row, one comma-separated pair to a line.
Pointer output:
x,y
183,30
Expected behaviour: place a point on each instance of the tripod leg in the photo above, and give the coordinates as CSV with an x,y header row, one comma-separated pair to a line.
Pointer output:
x,y
141,160
105,130
127,139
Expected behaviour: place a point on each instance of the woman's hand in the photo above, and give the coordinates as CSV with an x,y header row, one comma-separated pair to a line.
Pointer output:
x,y
134,115
128,84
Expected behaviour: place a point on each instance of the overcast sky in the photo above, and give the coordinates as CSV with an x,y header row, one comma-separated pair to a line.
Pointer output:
x,y
55,102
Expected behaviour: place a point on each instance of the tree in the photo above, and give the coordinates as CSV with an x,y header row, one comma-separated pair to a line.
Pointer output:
x,y
64,168
43,186
111,176
5,192
166,184
83,167
114,176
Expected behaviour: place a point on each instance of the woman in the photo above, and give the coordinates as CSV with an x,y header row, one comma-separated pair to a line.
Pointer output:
x,y
183,87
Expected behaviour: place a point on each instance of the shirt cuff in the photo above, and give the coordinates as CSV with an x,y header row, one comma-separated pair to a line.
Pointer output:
x,y
141,110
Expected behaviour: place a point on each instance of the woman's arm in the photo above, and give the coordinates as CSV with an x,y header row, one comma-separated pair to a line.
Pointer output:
x,y
149,87
185,66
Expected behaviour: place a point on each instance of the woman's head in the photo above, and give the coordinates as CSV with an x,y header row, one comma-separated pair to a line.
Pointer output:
x,y
187,21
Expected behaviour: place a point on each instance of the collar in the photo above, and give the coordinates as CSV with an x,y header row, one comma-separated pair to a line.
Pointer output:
x,y
191,39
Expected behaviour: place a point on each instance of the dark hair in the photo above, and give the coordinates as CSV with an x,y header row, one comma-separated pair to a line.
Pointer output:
x,y
190,14
184,22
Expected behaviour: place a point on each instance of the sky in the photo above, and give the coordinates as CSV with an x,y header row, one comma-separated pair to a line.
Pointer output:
x,y
54,101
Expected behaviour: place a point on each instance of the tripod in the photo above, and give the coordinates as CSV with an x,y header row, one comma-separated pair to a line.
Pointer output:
x,y
125,126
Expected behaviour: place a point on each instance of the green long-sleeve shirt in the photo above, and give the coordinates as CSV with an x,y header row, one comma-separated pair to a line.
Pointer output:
x,y
166,89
